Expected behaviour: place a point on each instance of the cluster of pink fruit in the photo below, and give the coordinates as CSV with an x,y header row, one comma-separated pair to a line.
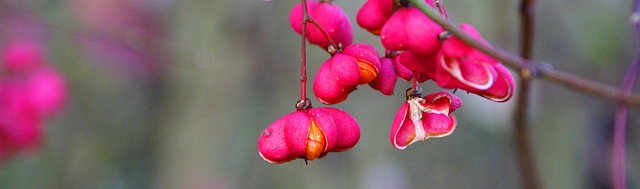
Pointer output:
x,y
416,49
30,91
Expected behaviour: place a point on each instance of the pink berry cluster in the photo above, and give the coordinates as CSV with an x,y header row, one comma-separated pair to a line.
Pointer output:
x,y
416,49
430,52
30,91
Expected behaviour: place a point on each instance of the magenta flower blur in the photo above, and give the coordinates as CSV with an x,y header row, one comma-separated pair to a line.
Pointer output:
x,y
21,56
47,91
30,92
20,124
308,134
421,118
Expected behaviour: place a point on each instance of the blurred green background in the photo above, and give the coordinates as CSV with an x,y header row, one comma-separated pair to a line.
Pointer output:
x,y
228,69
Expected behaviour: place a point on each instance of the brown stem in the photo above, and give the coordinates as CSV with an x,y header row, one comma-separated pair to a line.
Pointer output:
x,y
536,68
618,163
303,48
526,156
304,102
414,83
619,174
527,16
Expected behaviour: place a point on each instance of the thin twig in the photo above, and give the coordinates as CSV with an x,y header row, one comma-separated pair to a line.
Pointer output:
x,y
618,167
441,8
306,18
620,129
303,48
324,32
536,68
526,156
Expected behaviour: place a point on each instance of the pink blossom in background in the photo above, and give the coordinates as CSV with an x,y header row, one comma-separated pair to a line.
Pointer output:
x,y
47,91
30,92
21,56
20,125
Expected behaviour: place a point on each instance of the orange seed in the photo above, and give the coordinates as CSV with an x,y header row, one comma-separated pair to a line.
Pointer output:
x,y
368,72
316,142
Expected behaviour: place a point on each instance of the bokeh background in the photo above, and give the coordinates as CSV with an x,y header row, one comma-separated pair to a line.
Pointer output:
x,y
174,94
